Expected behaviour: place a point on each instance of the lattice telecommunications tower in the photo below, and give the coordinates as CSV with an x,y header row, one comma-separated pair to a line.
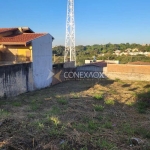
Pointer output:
x,y
70,52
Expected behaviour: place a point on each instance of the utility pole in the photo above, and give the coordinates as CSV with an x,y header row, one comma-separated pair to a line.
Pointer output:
x,y
70,52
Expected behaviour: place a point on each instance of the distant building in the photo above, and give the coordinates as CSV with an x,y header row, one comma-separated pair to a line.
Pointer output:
x,y
128,50
117,52
132,52
135,50
93,67
103,61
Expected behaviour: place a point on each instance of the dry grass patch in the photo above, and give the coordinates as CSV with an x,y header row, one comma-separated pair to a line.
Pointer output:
x,y
78,115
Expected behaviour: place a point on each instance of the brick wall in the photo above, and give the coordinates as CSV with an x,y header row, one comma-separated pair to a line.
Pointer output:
x,y
128,72
144,69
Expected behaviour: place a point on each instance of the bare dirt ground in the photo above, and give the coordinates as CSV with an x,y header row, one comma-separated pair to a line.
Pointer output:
x,y
78,115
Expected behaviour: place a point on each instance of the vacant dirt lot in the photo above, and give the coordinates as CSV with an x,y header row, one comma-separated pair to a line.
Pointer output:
x,y
78,115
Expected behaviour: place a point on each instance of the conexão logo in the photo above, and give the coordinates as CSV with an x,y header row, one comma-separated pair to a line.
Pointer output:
x,y
83,75
76,75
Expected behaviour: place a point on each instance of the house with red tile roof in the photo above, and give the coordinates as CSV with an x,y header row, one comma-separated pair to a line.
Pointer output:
x,y
22,45
16,44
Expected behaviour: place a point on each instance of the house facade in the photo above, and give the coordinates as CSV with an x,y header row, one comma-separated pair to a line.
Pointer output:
x,y
28,51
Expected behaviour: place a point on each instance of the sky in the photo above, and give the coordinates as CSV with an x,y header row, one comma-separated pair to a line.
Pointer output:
x,y
96,21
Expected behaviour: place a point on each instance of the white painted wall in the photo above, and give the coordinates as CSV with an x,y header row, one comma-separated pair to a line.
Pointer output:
x,y
42,61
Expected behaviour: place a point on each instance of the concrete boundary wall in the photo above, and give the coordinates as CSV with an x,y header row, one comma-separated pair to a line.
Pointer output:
x,y
69,64
15,79
128,72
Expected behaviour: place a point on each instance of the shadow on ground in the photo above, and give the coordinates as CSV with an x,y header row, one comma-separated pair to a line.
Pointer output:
x,y
80,115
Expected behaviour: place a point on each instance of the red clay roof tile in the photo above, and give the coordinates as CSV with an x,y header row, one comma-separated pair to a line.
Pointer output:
x,y
21,38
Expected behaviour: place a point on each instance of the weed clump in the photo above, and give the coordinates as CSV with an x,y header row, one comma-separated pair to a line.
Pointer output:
x,y
98,97
109,102
98,107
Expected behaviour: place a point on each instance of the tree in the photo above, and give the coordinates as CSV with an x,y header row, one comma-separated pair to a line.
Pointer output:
x,y
59,50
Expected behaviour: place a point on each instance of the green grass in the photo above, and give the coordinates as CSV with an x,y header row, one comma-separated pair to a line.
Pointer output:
x,y
39,125
130,103
80,126
98,107
62,101
142,106
84,148
92,125
98,96
75,95
143,101
109,102
105,144
99,118
34,105
64,145
55,132
31,115
144,95
54,111
128,129
143,131
2,102
4,113
17,104
107,125
86,119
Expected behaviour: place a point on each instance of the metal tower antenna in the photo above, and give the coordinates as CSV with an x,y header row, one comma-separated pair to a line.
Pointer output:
x,y
70,52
